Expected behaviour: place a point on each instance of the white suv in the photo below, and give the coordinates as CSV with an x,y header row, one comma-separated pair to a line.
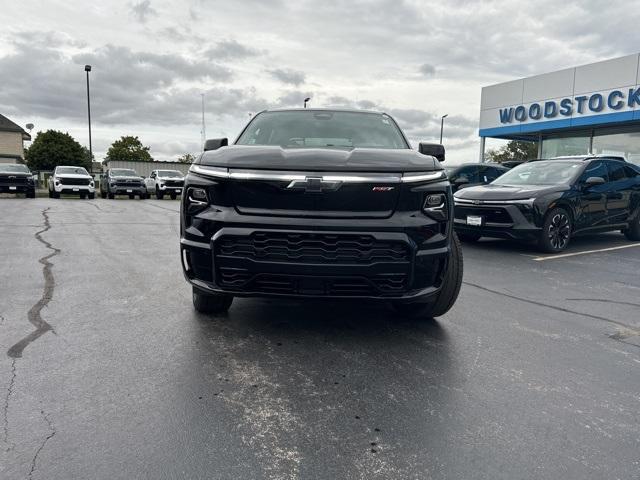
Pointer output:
x,y
74,180
165,182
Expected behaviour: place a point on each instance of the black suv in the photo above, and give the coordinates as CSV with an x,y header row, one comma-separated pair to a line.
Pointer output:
x,y
16,178
550,201
122,181
320,203
470,174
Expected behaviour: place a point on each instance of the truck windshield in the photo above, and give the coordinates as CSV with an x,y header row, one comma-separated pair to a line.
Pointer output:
x,y
13,168
71,171
169,173
323,129
123,172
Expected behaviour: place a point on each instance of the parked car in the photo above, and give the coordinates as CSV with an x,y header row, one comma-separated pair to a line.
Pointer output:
x,y
552,201
122,181
16,178
72,180
470,174
165,182
322,204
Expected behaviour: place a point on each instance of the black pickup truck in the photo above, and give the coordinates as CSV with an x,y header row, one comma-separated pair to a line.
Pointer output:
x,y
321,204
16,178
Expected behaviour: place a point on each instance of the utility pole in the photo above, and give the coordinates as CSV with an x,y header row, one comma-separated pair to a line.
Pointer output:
x,y
87,68
442,126
203,132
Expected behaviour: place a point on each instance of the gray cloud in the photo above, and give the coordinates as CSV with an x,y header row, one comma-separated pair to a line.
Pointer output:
x,y
143,10
288,76
427,70
230,49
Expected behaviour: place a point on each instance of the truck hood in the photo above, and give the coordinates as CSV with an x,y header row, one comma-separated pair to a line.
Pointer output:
x,y
320,159
508,192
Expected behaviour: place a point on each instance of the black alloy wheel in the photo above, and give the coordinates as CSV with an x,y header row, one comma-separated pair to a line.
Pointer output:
x,y
556,232
633,231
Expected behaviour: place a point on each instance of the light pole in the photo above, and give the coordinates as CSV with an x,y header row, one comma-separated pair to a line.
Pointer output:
x,y
87,68
305,101
442,126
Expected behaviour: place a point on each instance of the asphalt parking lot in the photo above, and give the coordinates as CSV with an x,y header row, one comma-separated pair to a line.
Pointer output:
x,y
107,372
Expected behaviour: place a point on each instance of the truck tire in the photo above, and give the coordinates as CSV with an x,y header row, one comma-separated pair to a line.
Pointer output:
x,y
448,293
111,196
173,196
83,195
103,194
159,194
210,303
92,195
132,196
633,231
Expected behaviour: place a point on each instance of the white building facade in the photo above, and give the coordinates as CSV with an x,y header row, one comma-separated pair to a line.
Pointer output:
x,y
594,108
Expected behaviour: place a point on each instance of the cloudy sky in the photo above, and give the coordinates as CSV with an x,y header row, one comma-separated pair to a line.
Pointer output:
x,y
417,60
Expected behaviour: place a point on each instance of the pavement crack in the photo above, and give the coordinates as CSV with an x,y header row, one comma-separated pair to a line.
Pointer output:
x,y
52,432
5,409
35,318
603,300
553,307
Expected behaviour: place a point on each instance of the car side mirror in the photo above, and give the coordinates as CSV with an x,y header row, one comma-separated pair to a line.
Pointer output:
x,y
434,149
215,143
592,181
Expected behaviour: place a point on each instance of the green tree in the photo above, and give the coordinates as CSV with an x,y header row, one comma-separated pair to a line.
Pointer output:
x,y
514,150
129,148
186,158
53,148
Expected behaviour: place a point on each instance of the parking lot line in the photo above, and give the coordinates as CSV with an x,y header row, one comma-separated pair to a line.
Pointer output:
x,y
565,255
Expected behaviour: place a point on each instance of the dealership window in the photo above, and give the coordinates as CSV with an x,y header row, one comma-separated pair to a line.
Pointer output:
x,y
623,144
567,145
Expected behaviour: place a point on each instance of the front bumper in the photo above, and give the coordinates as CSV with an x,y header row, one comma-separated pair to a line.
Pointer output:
x,y
20,188
177,189
250,256
128,190
60,188
498,221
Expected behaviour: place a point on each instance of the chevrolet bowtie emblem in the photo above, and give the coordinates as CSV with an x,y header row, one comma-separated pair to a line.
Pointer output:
x,y
314,184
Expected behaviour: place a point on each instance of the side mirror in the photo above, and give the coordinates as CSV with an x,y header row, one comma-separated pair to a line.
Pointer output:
x,y
434,149
461,181
592,181
215,143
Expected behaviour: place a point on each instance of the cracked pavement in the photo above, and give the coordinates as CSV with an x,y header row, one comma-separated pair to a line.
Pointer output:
x,y
535,373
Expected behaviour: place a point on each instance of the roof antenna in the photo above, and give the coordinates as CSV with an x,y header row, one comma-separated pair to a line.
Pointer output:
x,y
305,101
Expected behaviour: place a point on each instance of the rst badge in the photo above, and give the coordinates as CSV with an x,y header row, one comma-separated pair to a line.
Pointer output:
x,y
382,189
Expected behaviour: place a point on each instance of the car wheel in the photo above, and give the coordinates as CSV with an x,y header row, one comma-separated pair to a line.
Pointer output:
x,y
159,194
633,232
173,196
448,293
103,194
556,231
210,303
91,195
111,196
55,194
469,237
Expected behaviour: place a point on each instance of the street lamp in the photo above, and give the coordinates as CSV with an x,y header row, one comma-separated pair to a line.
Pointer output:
x,y
87,68
442,126
305,101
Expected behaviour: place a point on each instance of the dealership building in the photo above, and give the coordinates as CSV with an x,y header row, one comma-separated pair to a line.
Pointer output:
x,y
594,108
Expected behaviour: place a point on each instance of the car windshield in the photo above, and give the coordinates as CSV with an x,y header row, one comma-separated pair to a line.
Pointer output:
x,y
71,170
541,173
323,129
169,173
13,168
123,172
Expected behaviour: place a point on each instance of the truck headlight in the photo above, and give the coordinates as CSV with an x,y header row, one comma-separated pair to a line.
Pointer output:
x,y
196,199
435,205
